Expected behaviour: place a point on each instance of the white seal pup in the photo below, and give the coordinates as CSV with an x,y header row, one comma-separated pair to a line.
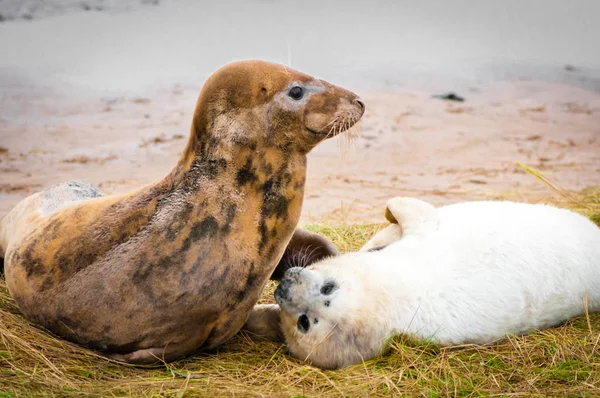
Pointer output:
x,y
464,273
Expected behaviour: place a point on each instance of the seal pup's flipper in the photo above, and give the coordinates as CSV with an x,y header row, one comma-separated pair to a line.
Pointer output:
x,y
415,217
264,323
304,249
408,216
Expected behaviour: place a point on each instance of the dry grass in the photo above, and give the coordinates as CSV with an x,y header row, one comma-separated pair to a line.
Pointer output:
x,y
562,361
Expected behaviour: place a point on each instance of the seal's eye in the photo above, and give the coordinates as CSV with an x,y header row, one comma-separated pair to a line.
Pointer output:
x,y
303,323
327,288
296,93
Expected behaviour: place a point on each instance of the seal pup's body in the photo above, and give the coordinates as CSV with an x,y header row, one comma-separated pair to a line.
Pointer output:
x,y
178,265
464,273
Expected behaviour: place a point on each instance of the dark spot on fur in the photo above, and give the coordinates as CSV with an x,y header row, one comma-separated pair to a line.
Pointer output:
x,y
164,262
48,282
175,229
249,286
212,168
205,228
246,174
142,270
33,265
271,252
274,204
199,261
268,169
263,230
377,248
327,303
186,244
230,216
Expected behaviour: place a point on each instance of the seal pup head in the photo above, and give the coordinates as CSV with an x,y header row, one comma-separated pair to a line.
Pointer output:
x,y
261,103
328,315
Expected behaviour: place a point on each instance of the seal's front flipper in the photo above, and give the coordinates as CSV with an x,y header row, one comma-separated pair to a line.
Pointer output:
x,y
304,249
408,216
264,323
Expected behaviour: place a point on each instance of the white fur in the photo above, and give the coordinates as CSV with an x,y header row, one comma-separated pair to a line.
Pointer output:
x,y
465,273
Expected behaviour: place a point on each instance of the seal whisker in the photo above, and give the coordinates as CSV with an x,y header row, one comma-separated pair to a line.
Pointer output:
x,y
332,129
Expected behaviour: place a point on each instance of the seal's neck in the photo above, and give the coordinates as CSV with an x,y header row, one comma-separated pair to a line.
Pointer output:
x,y
233,167
252,191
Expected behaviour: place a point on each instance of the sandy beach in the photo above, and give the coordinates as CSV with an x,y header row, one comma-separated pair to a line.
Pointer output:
x,y
107,96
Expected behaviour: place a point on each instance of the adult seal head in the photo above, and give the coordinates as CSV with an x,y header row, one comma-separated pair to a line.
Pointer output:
x,y
178,265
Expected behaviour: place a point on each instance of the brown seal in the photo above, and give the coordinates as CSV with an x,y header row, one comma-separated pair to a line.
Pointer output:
x,y
178,265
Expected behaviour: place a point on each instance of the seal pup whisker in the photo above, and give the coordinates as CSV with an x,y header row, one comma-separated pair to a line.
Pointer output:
x,y
306,258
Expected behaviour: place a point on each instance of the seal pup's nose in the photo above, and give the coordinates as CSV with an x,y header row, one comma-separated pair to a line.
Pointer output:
x,y
289,278
282,291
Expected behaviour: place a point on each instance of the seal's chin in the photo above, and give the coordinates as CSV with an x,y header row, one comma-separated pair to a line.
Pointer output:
x,y
321,134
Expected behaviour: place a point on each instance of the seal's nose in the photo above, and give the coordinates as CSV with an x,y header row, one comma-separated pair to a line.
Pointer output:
x,y
361,104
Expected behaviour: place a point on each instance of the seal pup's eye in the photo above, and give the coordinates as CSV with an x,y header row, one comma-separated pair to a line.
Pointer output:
x,y
327,288
296,93
303,323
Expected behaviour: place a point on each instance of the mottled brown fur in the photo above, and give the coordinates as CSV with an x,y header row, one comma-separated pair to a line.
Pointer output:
x,y
178,265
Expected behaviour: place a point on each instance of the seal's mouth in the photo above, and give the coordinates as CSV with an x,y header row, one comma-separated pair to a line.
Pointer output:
x,y
316,132
335,128
323,123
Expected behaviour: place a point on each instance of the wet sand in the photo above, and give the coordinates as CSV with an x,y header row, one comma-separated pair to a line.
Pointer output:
x,y
107,97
